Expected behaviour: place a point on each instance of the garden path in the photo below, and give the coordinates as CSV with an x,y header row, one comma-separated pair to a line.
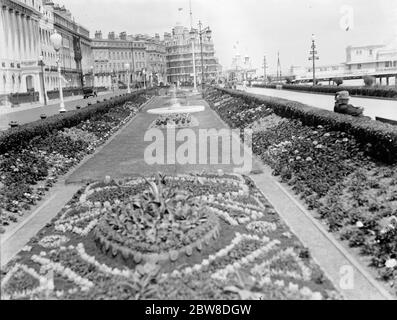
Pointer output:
x,y
124,156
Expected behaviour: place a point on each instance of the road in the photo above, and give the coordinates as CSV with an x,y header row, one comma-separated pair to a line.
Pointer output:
x,y
33,113
373,107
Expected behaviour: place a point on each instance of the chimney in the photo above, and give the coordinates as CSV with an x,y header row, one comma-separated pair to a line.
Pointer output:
x,y
98,34
123,35
111,36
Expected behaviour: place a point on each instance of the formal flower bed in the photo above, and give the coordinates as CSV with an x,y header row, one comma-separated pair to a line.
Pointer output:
x,y
175,120
176,237
333,174
26,173
378,139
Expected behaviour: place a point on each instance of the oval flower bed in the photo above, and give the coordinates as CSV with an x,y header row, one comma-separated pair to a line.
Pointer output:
x,y
332,172
175,120
258,258
156,226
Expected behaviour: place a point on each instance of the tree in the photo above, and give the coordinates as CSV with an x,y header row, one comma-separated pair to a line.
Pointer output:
x,y
338,81
369,81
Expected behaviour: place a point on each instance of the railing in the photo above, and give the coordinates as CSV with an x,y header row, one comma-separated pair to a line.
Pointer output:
x,y
18,98
348,73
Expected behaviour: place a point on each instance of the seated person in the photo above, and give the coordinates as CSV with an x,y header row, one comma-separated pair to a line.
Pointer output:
x,y
342,105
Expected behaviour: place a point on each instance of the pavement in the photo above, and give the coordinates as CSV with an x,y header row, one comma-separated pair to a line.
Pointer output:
x,y
372,107
31,112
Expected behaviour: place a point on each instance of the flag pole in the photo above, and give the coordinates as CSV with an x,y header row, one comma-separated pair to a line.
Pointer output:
x,y
191,14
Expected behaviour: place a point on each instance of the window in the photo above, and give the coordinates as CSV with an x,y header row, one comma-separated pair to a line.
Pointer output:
x,y
359,66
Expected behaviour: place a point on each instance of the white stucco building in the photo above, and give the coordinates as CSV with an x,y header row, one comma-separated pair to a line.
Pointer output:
x,y
379,61
19,45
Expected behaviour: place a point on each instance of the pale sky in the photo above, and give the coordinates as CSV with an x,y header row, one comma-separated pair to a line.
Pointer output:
x,y
262,27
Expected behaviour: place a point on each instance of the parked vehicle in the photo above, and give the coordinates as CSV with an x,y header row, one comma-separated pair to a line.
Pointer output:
x,y
89,92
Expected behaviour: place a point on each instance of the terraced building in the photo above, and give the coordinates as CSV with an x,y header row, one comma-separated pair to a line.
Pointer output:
x,y
180,58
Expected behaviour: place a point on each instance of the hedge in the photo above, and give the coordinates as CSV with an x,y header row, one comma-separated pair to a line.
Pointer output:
x,y
18,137
380,139
354,91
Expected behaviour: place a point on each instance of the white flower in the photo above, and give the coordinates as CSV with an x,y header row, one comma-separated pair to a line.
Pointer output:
x,y
391,263
279,283
188,270
293,287
305,291
317,296
197,267
359,224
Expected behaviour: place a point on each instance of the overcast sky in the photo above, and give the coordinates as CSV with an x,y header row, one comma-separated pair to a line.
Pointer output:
x,y
262,27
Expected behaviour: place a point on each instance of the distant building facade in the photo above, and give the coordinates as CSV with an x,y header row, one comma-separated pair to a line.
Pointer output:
x,y
25,30
145,55
180,57
241,69
76,56
379,61
19,46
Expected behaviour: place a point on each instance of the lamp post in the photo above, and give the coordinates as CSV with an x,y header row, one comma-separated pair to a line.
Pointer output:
x,y
127,66
144,78
207,32
92,76
193,38
313,58
56,40
41,64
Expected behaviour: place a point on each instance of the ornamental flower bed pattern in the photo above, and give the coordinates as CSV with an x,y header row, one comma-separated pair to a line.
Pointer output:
x,y
175,120
233,245
27,173
354,195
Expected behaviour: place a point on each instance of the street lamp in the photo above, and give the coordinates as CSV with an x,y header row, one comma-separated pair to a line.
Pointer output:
x,y
207,32
56,40
92,76
144,78
193,38
313,58
127,66
41,64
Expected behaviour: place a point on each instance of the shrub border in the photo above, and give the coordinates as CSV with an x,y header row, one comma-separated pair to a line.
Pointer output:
x,y
14,138
380,139
354,90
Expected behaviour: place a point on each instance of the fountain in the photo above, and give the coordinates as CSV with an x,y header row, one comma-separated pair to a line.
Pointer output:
x,y
176,107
